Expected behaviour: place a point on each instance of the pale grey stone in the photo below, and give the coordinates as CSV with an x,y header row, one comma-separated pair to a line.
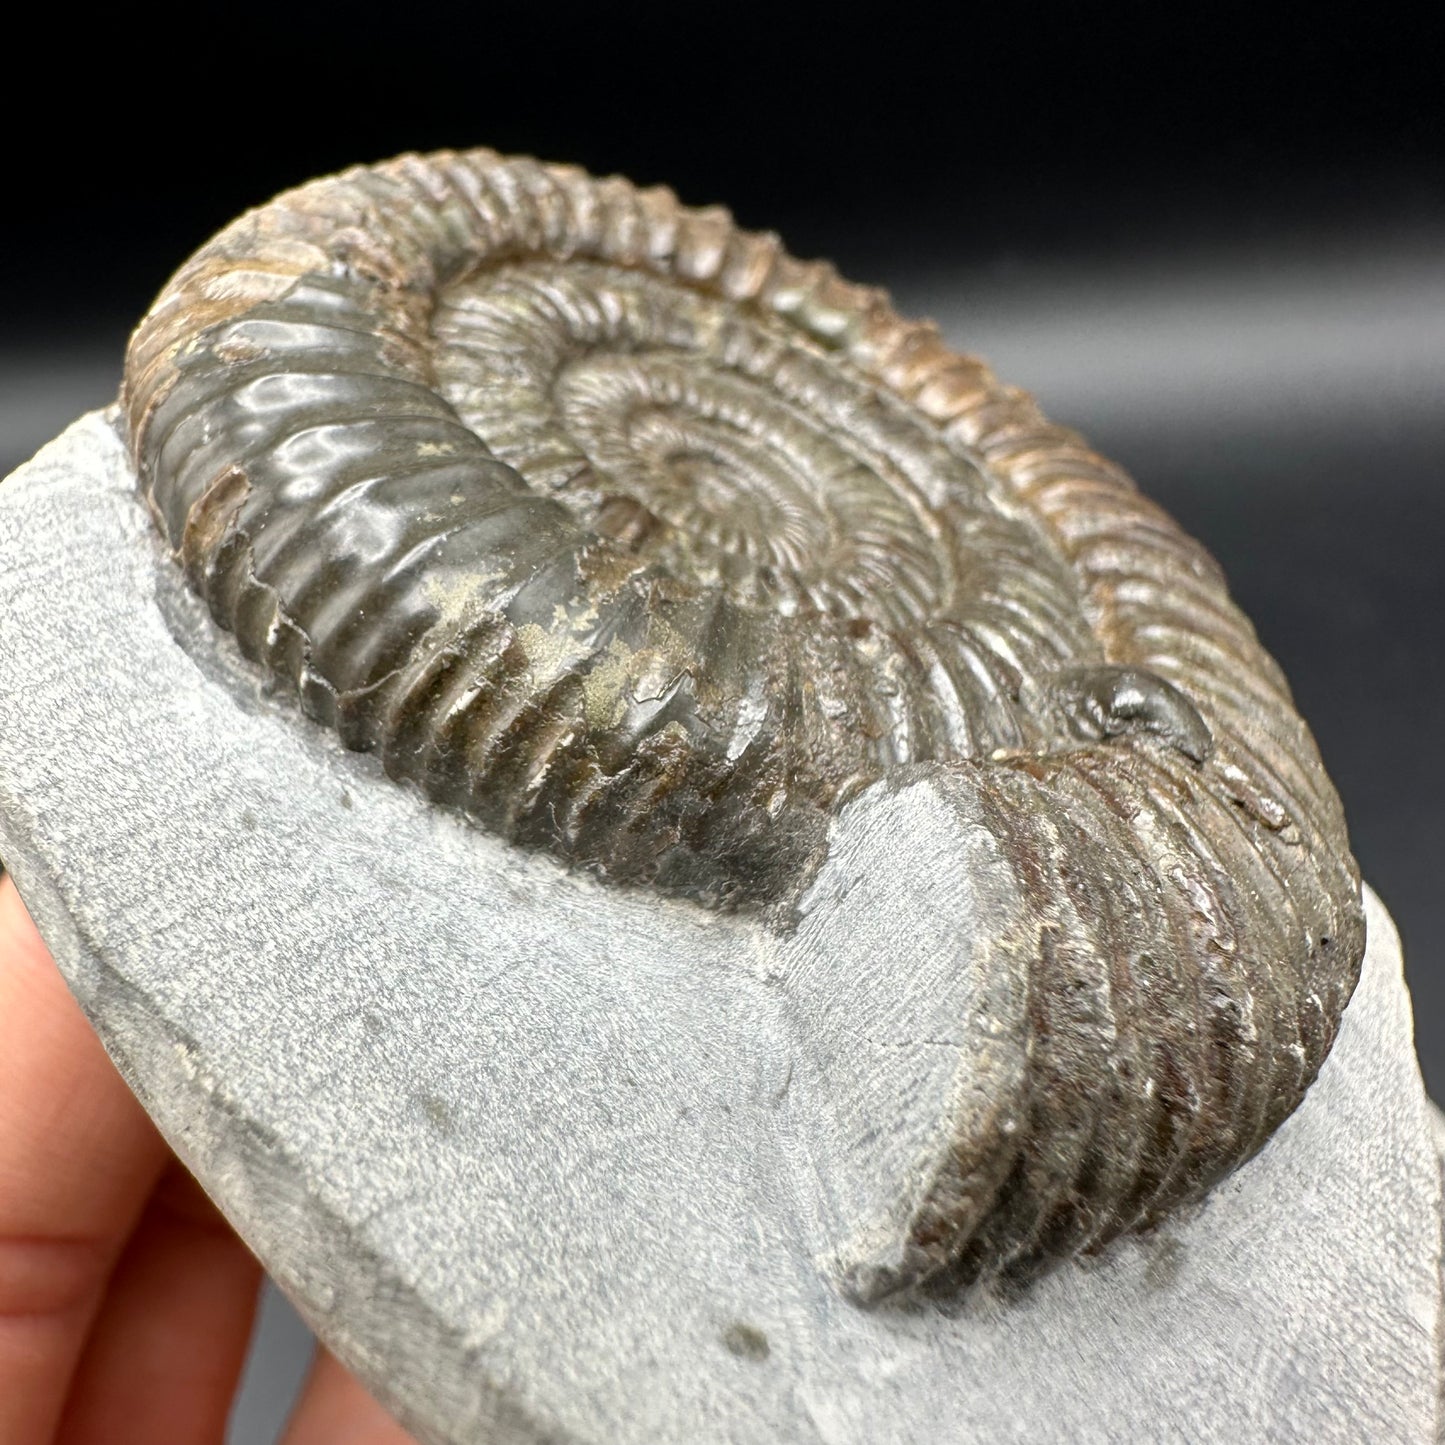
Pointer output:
x,y
550,1161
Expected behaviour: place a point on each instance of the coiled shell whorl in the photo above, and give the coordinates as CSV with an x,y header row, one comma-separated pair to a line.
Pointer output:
x,y
638,540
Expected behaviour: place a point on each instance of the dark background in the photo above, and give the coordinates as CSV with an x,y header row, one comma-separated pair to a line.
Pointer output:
x,y
1212,238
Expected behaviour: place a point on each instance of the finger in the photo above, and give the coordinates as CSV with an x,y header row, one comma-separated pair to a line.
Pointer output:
x,y
167,1347
335,1410
77,1159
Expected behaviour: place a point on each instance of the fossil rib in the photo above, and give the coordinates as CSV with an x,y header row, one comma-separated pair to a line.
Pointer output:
x,y
638,540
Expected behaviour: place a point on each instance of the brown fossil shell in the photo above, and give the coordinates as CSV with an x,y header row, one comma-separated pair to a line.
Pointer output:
x,y
640,541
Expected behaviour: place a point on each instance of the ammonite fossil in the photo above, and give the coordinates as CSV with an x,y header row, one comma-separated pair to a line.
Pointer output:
x,y
639,541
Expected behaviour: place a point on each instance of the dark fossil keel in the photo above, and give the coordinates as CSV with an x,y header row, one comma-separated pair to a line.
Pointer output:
x,y
643,543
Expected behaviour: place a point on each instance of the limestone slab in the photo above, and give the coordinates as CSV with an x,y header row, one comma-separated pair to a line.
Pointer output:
x,y
538,1157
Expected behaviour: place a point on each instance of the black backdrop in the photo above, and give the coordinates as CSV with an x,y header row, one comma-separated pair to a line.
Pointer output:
x,y
885,134
1142,178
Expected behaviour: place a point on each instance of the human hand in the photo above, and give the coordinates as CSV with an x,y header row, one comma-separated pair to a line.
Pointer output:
x,y
126,1302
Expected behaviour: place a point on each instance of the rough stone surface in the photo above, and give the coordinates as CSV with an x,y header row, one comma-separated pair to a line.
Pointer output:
x,y
547,1160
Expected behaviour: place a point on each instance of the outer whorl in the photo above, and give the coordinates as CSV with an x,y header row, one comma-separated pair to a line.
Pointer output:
x,y
638,540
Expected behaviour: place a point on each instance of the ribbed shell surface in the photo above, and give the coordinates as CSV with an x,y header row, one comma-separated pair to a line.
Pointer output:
x,y
639,541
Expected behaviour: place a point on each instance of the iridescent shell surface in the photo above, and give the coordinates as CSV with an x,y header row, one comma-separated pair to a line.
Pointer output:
x,y
639,541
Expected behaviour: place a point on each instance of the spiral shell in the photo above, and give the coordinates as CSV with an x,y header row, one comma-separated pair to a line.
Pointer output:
x,y
640,541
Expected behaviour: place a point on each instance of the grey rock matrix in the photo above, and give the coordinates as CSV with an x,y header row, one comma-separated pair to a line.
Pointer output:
x,y
546,1160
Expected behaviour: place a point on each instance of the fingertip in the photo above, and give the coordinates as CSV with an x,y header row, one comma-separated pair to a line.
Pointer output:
x,y
20,941
165,1352
77,1158
334,1409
